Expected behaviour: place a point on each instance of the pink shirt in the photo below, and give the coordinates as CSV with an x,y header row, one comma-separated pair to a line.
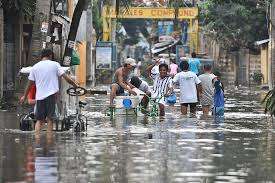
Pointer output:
x,y
173,69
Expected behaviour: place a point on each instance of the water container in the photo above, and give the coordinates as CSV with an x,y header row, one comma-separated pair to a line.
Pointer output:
x,y
127,103
120,101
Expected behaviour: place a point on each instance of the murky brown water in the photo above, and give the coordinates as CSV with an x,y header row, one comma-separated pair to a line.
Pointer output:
x,y
239,148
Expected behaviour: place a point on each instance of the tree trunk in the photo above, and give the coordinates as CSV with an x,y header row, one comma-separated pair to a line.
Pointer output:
x,y
90,66
73,31
42,15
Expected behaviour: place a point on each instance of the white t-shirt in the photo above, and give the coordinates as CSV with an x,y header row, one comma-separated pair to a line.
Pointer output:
x,y
45,75
187,82
144,87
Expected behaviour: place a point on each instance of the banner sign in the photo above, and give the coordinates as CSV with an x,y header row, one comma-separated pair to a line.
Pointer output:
x,y
104,55
151,13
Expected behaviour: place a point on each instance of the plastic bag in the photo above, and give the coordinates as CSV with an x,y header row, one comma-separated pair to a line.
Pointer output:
x,y
171,99
75,58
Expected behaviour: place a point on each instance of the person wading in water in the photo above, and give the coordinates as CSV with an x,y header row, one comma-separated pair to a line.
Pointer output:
x,y
121,80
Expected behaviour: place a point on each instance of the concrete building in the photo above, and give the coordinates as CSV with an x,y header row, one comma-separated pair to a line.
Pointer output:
x,y
265,67
268,50
21,40
14,45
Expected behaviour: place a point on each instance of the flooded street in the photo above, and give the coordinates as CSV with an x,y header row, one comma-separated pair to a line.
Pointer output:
x,y
238,148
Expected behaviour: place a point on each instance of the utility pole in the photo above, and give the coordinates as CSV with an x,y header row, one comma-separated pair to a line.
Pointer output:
x,y
271,60
113,33
90,65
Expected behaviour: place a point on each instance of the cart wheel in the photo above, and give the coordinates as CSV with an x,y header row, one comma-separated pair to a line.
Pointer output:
x,y
78,91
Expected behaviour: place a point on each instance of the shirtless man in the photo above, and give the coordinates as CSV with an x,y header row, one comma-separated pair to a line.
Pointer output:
x,y
121,80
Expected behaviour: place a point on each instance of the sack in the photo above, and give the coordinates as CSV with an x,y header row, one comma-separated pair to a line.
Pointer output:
x,y
75,58
171,99
218,111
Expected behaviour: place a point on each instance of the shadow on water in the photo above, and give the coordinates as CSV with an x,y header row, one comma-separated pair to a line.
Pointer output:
x,y
236,148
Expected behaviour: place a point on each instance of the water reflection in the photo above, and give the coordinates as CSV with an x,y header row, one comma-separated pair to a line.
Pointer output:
x,y
236,148
30,164
45,160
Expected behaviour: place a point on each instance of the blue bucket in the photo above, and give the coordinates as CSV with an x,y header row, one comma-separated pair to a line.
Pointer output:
x,y
127,103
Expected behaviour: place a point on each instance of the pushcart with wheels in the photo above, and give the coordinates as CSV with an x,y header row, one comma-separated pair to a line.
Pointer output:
x,y
77,121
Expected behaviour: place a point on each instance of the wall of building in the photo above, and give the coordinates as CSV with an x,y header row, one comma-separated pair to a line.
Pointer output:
x,y
237,68
264,63
42,15
81,69
10,57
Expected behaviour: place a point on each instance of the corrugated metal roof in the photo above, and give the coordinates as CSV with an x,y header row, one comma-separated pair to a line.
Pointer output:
x,y
262,42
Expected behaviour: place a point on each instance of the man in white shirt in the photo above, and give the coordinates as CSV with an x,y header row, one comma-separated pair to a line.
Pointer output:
x,y
45,75
190,88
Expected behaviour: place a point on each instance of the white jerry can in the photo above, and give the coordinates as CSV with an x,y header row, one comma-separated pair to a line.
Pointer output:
x,y
126,105
126,102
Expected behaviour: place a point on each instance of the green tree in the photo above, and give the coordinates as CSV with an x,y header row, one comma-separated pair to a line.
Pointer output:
x,y
21,7
235,23
97,19
177,4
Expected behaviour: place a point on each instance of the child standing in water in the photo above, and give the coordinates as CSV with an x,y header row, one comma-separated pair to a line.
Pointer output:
x,y
190,89
163,85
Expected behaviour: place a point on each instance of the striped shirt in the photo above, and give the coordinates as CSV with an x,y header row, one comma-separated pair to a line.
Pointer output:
x,y
161,86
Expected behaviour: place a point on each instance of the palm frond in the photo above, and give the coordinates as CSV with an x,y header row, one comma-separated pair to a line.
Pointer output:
x,y
269,102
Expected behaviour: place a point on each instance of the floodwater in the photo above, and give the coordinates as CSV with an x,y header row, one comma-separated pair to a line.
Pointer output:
x,y
238,148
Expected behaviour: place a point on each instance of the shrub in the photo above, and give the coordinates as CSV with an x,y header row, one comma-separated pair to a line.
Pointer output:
x,y
257,77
